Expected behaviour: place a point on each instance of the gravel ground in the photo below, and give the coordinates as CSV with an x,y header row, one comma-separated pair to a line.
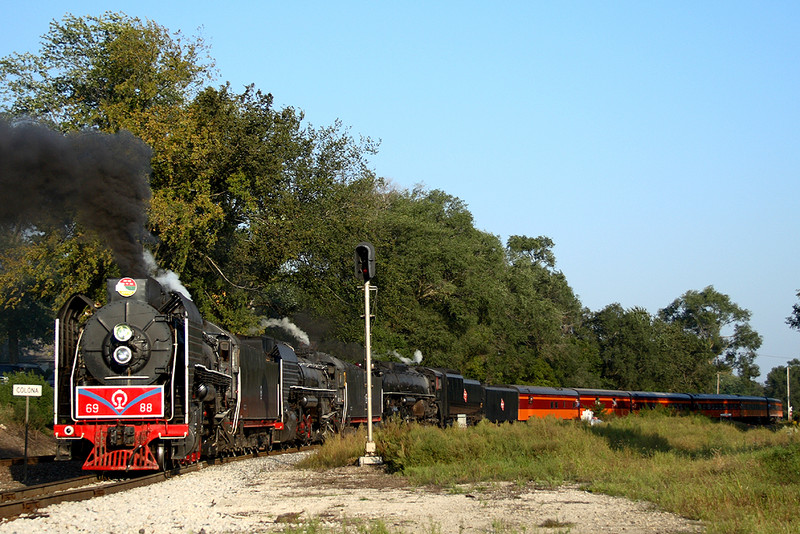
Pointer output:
x,y
267,494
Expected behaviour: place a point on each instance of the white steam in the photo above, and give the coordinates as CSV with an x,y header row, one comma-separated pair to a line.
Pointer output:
x,y
289,327
416,360
168,279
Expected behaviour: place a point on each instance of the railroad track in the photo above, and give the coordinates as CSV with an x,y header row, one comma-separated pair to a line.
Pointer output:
x,y
26,500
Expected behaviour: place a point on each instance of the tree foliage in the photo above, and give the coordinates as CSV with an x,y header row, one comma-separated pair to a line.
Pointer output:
x,y
777,379
639,351
794,319
706,314
436,279
91,74
93,71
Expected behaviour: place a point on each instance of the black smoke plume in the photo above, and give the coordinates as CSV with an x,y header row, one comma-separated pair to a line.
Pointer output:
x,y
95,179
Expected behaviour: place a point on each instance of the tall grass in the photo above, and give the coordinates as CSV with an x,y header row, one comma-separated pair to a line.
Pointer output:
x,y
342,449
735,479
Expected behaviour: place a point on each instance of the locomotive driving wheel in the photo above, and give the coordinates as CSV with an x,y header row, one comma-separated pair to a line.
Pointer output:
x,y
163,457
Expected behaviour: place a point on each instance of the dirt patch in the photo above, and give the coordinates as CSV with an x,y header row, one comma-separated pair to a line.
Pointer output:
x,y
12,441
355,495
12,445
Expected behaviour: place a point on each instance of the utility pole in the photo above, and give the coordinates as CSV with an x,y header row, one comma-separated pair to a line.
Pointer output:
x,y
788,396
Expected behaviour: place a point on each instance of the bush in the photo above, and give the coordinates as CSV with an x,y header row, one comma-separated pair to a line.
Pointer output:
x,y
41,408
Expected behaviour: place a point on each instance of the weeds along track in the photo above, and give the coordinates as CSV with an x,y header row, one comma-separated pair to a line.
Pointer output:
x,y
26,500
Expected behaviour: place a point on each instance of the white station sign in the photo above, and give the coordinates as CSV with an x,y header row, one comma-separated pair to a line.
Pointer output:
x,y
27,390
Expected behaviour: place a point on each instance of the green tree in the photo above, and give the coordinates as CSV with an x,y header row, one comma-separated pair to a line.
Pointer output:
x,y
642,352
438,280
536,251
239,192
794,319
93,71
625,338
776,383
685,363
239,188
541,314
706,314
777,378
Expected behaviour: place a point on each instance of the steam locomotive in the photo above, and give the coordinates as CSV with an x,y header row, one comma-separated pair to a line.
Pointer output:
x,y
144,383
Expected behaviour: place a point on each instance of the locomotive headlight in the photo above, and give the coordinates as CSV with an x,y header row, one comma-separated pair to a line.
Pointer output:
x,y
123,332
123,355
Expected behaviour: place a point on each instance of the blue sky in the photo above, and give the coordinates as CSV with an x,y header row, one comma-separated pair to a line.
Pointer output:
x,y
658,143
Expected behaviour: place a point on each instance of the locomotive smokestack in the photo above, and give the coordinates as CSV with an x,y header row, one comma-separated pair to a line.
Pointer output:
x,y
98,180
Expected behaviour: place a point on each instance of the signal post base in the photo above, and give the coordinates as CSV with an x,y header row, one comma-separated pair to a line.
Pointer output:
x,y
370,458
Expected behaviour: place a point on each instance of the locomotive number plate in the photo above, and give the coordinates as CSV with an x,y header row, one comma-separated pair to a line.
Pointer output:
x,y
119,401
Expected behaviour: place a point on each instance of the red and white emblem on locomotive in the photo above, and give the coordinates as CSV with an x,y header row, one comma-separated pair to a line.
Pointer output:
x,y
119,401
126,287
502,405
465,394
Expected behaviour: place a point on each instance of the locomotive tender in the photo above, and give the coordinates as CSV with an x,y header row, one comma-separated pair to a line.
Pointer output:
x,y
144,382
